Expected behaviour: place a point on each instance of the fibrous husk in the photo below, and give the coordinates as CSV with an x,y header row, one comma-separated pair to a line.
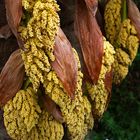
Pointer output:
x,y
11,77
5,32
65,64
14,14
134,15
52,108
108,85
89,36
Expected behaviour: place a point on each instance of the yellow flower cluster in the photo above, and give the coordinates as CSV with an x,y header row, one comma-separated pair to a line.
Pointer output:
x,y
112,19
38,36
48,128
128,44
98,92
28,4
24,119
21,113
76,113
123,36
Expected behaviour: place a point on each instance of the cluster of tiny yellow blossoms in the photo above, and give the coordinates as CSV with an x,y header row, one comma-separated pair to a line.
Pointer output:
x,y
39,37
128,43
112,18
21,113
24,120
